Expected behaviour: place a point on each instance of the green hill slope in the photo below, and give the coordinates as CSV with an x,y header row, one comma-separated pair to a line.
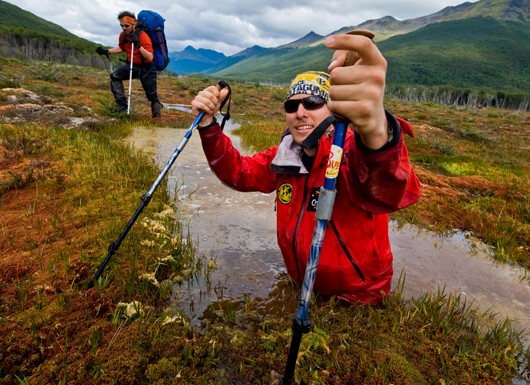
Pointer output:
x,y
279,65
475,52
505,10
13,16
23,34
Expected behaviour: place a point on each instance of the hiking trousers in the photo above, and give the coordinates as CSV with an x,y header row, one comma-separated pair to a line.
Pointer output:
x,y
145,73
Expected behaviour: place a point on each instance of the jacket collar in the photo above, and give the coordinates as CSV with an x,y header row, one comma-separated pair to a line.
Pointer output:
x,y
288,158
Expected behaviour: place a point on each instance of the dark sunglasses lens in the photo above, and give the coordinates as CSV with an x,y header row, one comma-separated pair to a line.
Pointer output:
x,y
309,103
291,106
313,103
125,25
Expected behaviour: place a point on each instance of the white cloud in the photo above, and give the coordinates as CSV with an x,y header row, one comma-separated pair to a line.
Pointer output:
x,y
228,26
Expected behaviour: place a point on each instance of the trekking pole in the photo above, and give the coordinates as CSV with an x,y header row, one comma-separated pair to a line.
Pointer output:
x,y
326,200
130,81
113,247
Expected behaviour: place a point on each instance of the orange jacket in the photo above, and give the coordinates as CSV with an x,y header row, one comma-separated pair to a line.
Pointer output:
x,y
145,42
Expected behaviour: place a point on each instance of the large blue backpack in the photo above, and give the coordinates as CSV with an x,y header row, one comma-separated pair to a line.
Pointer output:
x,y
153,24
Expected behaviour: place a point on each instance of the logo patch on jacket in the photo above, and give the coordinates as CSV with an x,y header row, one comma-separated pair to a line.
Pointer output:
x,y
285,193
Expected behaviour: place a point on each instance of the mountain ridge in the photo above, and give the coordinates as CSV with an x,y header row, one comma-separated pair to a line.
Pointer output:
x,y
388,26
509,17
408,46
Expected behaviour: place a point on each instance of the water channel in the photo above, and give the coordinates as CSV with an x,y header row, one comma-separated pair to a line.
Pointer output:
x,y
238,230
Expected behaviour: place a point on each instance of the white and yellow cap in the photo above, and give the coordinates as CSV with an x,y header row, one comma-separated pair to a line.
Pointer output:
x,y
311,83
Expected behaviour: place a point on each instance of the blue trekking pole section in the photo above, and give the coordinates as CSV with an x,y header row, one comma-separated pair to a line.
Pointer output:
x,y
146,198
326,199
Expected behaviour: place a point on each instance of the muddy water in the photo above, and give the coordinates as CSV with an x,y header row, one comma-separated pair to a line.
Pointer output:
x,y
238,230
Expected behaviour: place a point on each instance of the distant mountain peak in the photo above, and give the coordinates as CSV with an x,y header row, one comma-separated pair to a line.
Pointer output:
x,y
251,51
308,39
201,55
388,26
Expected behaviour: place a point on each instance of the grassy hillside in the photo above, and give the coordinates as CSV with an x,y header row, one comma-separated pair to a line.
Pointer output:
x,y
13,16
476,52
24,35
279,65
505,10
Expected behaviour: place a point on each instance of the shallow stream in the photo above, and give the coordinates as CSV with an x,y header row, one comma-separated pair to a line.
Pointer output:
x,y
239,231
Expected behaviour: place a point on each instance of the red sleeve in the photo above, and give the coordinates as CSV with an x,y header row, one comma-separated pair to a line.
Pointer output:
x,y
242,173
381,182
145,42
120,42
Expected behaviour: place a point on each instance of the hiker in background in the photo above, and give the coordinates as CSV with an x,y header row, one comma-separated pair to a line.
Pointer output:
x,y
143,67
375,177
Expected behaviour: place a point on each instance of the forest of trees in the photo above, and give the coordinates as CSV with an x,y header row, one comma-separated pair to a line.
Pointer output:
x,y
32,45
466,97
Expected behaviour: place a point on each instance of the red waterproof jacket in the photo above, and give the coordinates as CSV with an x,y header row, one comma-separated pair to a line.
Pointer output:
x,y
370,185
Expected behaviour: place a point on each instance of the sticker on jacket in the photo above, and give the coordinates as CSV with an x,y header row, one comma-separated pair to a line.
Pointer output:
x,y
313,200
285,193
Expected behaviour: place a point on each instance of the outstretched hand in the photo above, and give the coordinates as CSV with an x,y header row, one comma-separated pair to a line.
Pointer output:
x,y
208,101
357,91
102,51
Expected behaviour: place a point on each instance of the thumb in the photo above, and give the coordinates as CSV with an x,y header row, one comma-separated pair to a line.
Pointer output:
x,y
223,90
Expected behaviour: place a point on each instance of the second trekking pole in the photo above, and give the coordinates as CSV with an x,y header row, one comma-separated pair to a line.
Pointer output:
x,y
113,247
130,81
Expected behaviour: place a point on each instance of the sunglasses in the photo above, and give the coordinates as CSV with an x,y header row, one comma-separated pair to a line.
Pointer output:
x,y
125,25
309,103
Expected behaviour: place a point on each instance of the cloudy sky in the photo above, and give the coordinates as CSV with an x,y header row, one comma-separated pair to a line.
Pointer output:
x,y
227,26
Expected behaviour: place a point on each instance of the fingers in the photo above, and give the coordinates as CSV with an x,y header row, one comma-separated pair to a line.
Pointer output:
x,y
357,77
367,51
338,60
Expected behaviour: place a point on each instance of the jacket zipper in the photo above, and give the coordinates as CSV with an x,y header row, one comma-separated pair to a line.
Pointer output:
x,y
355,266
297,226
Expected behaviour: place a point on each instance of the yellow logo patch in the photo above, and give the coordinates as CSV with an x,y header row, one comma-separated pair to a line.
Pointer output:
x,y
285,193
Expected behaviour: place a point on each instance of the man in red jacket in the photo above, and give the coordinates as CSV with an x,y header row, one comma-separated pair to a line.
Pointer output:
x,y
375,176
143,56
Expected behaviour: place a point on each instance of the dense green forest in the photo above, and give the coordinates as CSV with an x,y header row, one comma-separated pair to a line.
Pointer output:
x,y
26,36
35,45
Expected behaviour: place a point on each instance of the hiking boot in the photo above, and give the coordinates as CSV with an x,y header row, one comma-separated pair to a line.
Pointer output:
x,y
156,108
118,108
